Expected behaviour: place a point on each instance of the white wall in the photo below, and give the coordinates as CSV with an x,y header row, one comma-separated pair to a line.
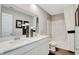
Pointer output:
x,y
49,27
59,33
0,22
42,15
69,17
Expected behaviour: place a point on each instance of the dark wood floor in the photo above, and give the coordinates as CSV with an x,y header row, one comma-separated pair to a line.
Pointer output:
x,y
61,52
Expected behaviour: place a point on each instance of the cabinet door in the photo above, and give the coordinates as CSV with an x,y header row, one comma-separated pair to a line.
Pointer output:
x,y
18,51
41,49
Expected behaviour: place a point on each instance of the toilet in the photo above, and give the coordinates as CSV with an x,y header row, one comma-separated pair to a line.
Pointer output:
x,y
52,45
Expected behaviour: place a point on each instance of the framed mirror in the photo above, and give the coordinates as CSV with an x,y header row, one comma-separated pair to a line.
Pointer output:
x,y
13,19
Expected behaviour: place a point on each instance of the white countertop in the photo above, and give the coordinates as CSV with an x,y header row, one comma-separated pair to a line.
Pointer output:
x,y
13,44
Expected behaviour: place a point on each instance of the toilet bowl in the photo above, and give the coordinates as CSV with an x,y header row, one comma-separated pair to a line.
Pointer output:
x,y
52,46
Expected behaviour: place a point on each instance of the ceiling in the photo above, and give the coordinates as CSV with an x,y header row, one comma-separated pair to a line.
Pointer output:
x,y
53,9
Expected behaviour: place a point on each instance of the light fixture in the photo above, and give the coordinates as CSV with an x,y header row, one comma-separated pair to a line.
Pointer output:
x,y
34,7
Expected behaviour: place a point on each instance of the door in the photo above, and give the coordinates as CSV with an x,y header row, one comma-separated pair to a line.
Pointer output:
x,y
76,40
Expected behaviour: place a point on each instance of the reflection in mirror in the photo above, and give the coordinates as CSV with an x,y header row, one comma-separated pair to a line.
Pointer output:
x,y
11,14
34,26
6,24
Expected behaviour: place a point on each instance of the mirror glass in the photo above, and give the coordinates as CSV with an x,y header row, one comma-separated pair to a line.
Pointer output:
x,y
6,24
17,22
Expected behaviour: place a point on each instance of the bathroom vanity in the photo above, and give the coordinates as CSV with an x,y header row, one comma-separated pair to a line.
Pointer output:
x,y
26,46
21,34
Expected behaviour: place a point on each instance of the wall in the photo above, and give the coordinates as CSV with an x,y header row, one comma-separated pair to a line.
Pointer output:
x,y
59,33
49,27
0,22
69,17
17,16
42,15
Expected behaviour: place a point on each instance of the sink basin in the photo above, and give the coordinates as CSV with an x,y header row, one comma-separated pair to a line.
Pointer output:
x,y
19,41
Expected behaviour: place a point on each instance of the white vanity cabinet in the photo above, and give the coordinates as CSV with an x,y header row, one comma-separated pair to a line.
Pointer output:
x,y
39,47
42,49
